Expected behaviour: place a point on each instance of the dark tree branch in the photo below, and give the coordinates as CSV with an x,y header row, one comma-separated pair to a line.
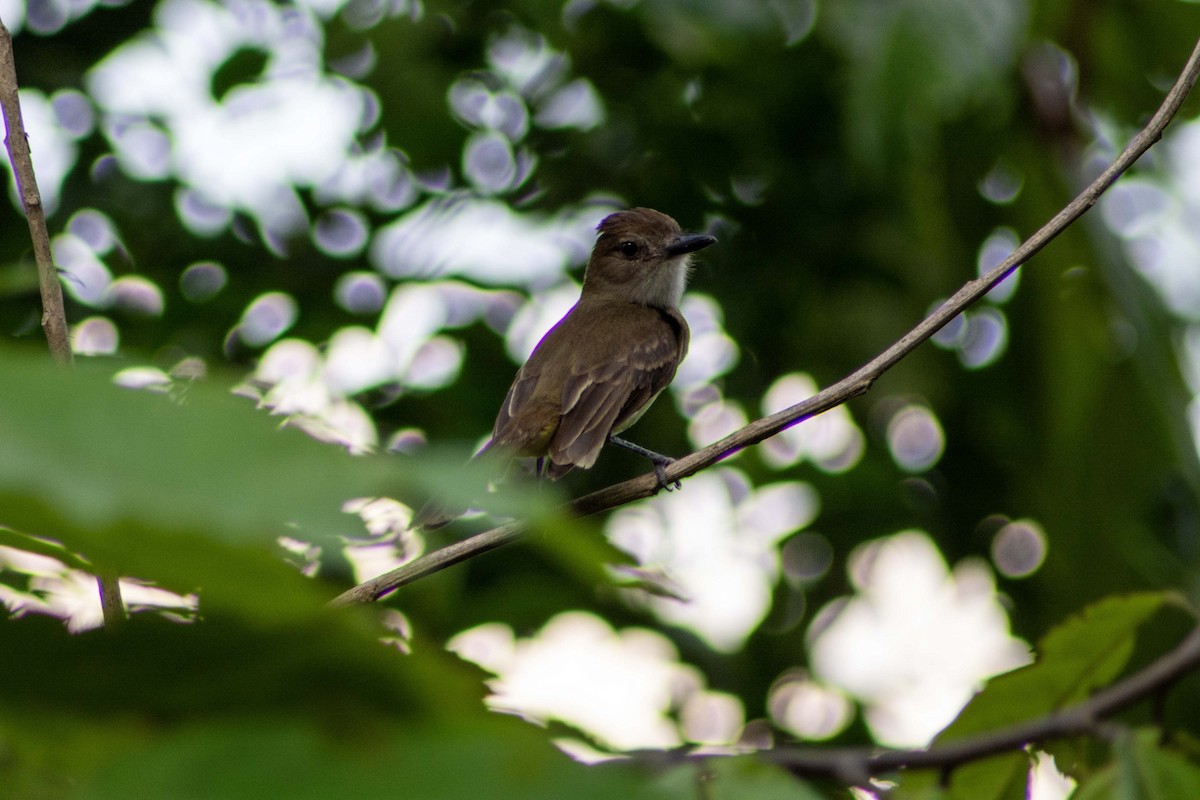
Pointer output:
x,y
855,764
54,315
855,384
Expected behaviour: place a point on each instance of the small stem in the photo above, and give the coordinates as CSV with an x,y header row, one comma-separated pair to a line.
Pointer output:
x,y
54,314
111,604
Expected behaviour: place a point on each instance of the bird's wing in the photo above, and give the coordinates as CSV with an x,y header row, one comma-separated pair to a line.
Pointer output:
x,y
606,395
527,418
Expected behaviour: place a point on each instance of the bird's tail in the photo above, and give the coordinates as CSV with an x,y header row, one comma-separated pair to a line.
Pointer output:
x,y
433,515
438,513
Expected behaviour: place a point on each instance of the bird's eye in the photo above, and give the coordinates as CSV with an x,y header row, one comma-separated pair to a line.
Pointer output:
x,y
628,249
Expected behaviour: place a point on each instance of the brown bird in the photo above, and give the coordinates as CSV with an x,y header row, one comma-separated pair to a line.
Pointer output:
x,y
601,366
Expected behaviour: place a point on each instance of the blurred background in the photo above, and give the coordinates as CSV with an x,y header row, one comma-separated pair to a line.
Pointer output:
x,y
365,214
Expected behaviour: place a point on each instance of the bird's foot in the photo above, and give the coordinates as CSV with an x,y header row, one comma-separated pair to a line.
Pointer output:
x,y
659,461
660,470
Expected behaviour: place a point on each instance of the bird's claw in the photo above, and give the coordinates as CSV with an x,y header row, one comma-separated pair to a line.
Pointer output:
x,y
659,461
660,471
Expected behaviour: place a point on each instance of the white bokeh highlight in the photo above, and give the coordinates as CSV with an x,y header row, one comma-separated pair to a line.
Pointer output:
x,y
718,541
619,686
916,640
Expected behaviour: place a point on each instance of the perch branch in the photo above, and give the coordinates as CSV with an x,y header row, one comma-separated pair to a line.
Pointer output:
x,y
853,385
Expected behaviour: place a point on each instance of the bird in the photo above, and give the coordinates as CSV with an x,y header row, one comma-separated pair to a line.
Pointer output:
x,y
600,367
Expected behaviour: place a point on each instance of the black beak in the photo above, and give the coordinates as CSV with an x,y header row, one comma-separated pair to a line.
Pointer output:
x,y
690,243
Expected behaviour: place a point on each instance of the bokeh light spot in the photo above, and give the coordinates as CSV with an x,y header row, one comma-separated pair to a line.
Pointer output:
x,y
74,112
1132,207
202,281
1019,548
711,717
808,708
95,336
340,232
267,317
915,438
85,276
995,248
1001,185
898,643
94,228
489,163
149,378
951,334
360,292
201,216
575,105
832,440
796,17
986,338
807,557
136,294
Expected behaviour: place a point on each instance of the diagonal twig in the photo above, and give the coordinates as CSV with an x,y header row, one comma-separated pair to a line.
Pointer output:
x,y
853,385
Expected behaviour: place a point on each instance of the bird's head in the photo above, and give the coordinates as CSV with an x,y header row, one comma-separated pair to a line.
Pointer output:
x,y
641,256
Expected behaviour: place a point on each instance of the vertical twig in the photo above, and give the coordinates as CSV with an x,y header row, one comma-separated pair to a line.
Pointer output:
x,y
54,315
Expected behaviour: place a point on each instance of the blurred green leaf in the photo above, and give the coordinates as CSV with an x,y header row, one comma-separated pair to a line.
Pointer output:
x,y
741,777
34,544
223,709
190,492
913,66
1004,777
286,756
1086,652
1078,656
1143,770
732,779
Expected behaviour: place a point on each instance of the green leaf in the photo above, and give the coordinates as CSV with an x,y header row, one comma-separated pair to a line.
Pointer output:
x,y
1086,652
291,757
916,787
1143,770
1004,777
81,457
190,491
224,709
735,778
45,547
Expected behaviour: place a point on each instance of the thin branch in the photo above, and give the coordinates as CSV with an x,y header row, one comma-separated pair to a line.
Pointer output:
x,y
54,315
854,385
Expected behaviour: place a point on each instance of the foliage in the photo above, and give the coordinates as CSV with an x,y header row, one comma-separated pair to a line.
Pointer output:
x,y
857,160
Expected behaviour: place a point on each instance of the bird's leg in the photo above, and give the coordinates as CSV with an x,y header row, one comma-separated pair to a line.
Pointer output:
x,y
540,470
657,459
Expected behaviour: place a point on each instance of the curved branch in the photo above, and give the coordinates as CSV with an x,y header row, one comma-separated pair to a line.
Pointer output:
x,y
853,385
855,764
